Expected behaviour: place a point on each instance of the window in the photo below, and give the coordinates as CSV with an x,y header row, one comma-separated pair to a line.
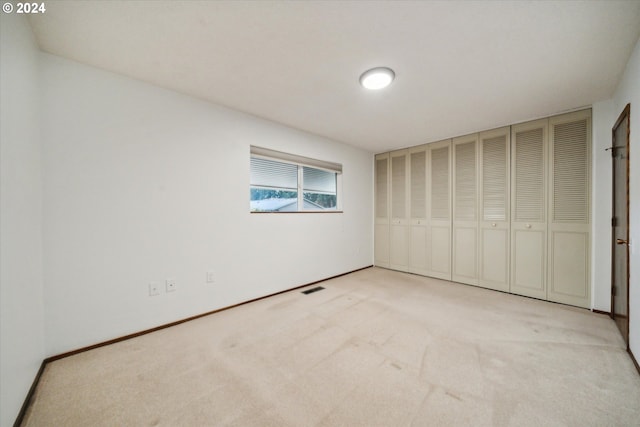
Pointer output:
x,y
282,182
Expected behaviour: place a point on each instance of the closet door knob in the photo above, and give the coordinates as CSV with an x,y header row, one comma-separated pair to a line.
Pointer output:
x,y
528,225
493,224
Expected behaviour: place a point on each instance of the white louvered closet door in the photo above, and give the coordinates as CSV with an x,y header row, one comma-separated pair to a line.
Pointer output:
x,y
439,210
381,234
529,208
465,209
399,228
418,158
494,209
569,207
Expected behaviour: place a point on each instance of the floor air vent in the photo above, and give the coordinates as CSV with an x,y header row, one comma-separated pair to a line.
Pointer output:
x,y
312,290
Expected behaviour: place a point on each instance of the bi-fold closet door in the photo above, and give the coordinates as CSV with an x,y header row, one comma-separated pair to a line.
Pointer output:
x,y
569,227
494,209
551,185
381,222
413,210
506,209
392,210
481,220
399,219
443,211
529,208
465,209
439,209
419,231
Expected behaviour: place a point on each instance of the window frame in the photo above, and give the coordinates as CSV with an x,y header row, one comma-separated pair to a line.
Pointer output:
x,y
300,162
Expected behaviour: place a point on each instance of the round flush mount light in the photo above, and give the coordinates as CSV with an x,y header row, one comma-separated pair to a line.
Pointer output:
x,y
377,78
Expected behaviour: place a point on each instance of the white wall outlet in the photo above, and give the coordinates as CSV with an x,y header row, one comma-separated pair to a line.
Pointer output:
x,y
154,289
171,285
209,276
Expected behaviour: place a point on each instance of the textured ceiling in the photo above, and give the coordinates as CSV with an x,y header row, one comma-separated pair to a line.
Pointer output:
x,y
460,66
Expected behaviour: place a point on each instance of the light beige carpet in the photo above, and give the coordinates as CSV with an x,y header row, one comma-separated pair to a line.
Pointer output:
x,y
375,348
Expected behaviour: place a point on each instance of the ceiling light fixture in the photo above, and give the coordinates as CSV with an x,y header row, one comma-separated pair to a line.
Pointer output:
x,y
377,78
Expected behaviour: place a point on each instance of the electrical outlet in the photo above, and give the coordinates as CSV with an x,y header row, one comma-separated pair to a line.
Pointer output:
x,y
154,289
171,285
209,276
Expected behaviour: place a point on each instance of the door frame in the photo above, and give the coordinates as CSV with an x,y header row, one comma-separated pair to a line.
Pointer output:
x,y
625,115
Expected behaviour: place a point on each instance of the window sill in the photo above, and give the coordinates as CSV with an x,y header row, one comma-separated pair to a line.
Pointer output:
x,y
296,212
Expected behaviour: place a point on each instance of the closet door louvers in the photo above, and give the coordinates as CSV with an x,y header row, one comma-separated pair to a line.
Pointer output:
x,y
439,210
507,209
399,228
569,206
418,202
494,204
528,204
465,209
381,235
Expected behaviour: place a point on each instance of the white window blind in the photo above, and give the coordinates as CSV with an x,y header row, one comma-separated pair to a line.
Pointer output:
x,y
272,174
318,180
294,159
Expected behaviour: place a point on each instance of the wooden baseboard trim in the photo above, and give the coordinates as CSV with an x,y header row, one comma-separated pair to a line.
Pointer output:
x,y
633,359
29,397
188,319
601,312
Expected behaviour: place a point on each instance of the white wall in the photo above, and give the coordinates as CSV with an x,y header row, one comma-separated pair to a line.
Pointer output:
x,y
21,288
628,91
144,184
603,120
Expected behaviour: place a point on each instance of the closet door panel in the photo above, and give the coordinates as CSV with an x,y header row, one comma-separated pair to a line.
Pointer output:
x,y
399,247
439,210
399,227
569,267
494,253
465,209
494,225
418,159
440,249
528,209
382,245
465,262
418,249
569,279
529,263
381,236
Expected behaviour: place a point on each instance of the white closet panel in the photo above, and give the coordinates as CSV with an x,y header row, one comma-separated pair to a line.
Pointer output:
x,y
506,209
381,235
399,228
494,204
569,207
528,208
465,209
439,210
418,158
